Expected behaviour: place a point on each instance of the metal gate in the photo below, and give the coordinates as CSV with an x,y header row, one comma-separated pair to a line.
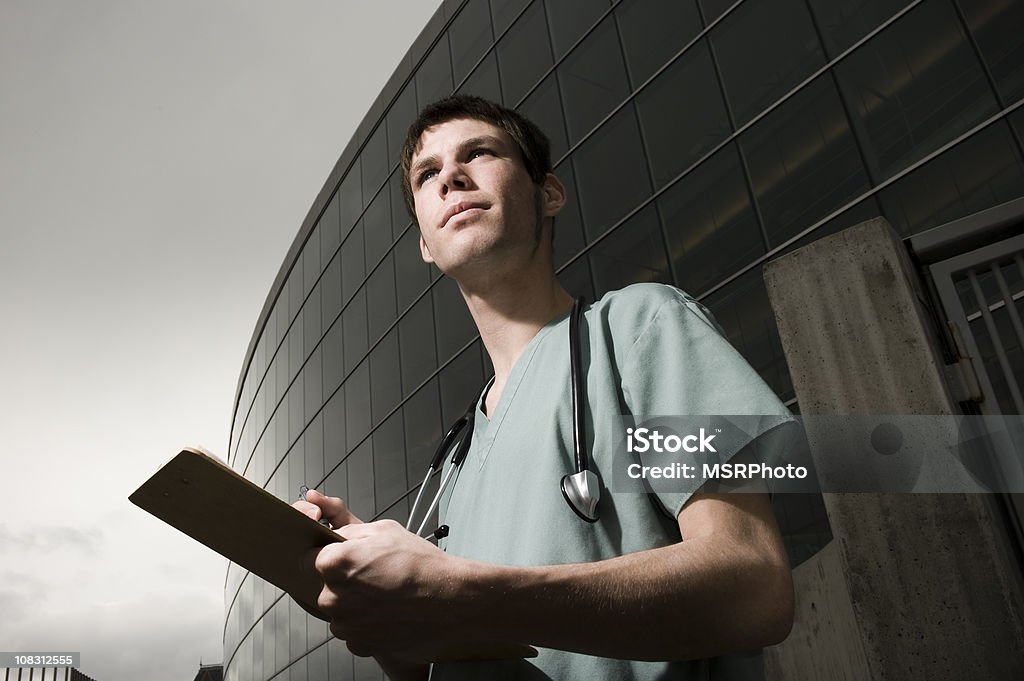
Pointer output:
x,y
974,268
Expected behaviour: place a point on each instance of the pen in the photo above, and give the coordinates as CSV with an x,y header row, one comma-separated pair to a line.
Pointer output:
x,y
302,497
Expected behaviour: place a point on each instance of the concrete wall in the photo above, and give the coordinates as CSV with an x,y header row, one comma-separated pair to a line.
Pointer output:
x,y
914,585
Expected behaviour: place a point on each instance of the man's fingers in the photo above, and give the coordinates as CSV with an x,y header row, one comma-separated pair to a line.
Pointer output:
x,y
333,508
312,510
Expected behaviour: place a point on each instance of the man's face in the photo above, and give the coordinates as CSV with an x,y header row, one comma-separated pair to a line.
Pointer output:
x,y
476,205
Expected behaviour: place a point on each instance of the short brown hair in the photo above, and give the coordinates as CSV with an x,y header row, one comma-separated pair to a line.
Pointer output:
x,y
533,144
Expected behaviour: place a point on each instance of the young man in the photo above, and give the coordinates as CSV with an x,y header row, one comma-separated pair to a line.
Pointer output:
x,y
660,582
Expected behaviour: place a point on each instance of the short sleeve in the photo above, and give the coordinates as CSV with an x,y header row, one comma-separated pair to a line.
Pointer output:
x,y
681,365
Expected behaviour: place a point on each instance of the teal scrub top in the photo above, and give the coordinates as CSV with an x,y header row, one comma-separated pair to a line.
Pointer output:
x,y
652,350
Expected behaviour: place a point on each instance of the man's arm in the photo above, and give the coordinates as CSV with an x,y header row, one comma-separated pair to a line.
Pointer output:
x,y
726,587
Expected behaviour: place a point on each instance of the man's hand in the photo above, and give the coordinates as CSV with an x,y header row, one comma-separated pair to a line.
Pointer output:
x,y
318,506
383,587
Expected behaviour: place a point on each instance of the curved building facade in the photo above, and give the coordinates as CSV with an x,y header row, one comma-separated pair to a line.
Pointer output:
x,y
698,139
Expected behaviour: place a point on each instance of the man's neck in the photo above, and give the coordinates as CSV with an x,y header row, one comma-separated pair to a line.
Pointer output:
x,y
509,314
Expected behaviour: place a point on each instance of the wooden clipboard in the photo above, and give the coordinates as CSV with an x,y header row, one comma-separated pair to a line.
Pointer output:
x,y
201,496
198,494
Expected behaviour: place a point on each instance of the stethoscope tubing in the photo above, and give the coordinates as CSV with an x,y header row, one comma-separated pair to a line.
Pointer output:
x,y
465,423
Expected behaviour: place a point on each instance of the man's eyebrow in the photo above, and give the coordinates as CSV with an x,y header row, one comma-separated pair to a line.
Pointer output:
x,y
468,143
420,164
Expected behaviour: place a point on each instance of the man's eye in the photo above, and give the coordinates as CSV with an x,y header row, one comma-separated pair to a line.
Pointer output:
x,y
426,175
478,152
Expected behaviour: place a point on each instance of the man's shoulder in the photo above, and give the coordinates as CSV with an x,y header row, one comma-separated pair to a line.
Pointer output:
x,y
636,305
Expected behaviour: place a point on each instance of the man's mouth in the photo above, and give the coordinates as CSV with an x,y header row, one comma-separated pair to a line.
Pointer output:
x,y
458,209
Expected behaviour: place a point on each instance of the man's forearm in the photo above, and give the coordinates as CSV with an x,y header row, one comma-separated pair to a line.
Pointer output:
x,y
689,600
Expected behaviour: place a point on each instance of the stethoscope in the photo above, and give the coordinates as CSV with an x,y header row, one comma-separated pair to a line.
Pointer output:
x,y
581,490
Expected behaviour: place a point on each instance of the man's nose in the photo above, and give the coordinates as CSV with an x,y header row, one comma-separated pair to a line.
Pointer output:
x,y
453,177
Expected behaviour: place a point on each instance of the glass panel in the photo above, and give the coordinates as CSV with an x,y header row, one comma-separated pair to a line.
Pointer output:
x,y
336,484
577,280
844,23
353,328
400,117
504,12
470,36
484,81
634,252
330,293
980,172
312,383
593,80
653,31
568,227
313,447
295,409
710,226
360,480
317,665
400,217
715,8
311,328
297,637
461,382
416,335
744,313
389,478
455,325
544,108
357,405
296,672
422,415
339,661
294,342
764,50
296,470
385,374
351,199
677,133
259,650
803,161
330,231
377,228
914,87
611,173
996,25
296,294
434,77
281,634
332,353
569,20
374,161
861,212
380,299
524,54
397,510
412,275
335,444
353,268
311,261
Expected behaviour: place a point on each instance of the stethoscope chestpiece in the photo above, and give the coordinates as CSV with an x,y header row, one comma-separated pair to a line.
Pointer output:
x,y
582,491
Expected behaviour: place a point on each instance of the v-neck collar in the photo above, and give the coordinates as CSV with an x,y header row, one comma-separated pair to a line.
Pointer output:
x,y
486,430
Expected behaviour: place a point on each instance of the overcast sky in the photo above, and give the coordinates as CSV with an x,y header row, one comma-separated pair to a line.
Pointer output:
x,y
156,161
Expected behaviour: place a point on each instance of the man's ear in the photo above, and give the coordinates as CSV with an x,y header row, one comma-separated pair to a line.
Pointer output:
x,y
424,251
553,195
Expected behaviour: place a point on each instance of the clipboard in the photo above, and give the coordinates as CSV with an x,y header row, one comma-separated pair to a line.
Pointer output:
x,y
201,496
